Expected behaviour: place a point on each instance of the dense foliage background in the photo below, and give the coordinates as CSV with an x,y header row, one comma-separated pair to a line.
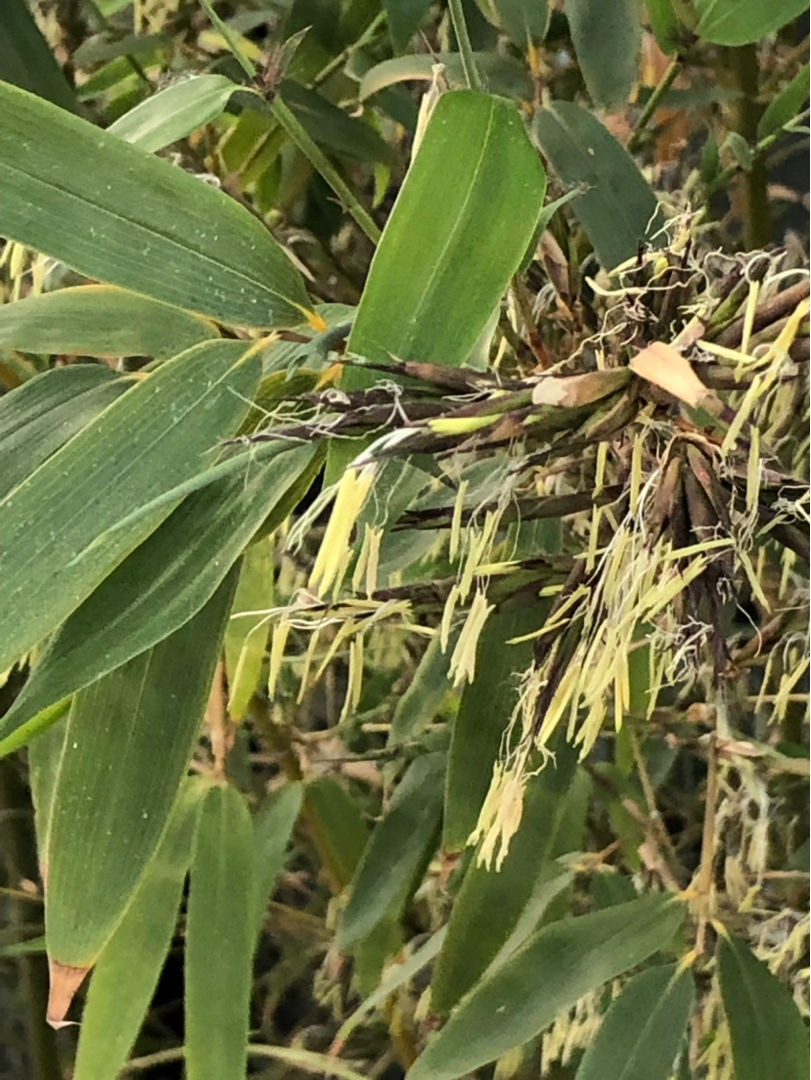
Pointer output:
x,y
403,537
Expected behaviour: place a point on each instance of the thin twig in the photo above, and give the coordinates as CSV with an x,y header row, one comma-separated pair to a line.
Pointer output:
x,y
652,104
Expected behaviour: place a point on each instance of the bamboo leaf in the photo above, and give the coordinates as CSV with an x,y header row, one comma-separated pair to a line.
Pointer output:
x,y
332,127
416,304
160,586
393,978
403,18
484,714
618,209
27,61
504,75
396,851
765,1025
337,829
491,904
606,39
524,23
115,213
175,112
643,1029
272,828
788,103
220,937
27,403
127,744
128,969
556,967
247,634
50,409
51,525
100,320
422,698
738,22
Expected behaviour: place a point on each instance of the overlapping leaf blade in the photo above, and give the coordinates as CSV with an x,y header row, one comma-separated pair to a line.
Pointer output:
x,y
47,411
396,851
127,744
114,213
618,209
548,974
127,973
161,585
141,446
640,1035
100,320
490,902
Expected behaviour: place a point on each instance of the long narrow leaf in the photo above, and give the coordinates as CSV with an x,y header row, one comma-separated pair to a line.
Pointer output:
x,y
555,968
160,586
765,1025
220,939
127,973
100,320
127,745
142,445
119,215
641,1033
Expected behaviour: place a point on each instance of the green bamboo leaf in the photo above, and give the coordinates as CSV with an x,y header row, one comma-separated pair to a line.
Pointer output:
x,y
523,22
128,969
145,443
44,756
403,17
127,745
491,903
100,320
115,213
26,404
337,829
51,410
220,937
606,39
161,585
556,967
272,828
393,978
643,1029
665,25
332,128
786,106
247,634
765,1025
416,304
396,851
504,75
175,112
417,706
484,714
618,209
739,22
27,61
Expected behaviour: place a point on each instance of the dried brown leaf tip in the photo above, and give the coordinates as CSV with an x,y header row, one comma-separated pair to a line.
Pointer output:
x,y
65,980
